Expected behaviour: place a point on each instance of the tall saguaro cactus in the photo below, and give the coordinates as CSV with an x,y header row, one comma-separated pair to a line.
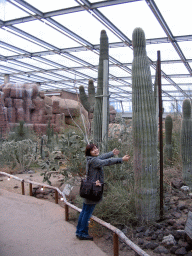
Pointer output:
x,y
168,139
88,102
97,117
186,143
144,131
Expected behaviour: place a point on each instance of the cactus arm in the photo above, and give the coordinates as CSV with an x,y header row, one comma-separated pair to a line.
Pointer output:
x,y
83,98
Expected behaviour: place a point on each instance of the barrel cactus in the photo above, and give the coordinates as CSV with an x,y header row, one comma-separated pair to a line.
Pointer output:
x,y
97,117
186,143
168,138
144,131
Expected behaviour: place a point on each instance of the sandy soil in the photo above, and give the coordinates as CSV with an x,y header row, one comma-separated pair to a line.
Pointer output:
x,y
103,238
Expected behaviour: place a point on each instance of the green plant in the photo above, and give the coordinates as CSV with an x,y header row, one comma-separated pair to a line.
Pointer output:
x,y
97,117
186,143
168,152
144,131
21,132
73,146
88,101
19,154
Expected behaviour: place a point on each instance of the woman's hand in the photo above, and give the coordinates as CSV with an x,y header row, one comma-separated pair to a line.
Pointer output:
x,y
115,151
126,158
98,183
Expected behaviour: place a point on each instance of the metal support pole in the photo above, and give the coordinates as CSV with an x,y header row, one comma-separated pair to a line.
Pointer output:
x,y
66,212
30,189
56,196
105,105
160,133
23,187
115,244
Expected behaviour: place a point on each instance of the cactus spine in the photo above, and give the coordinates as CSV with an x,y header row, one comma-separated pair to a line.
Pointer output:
x,y
88,102
144,131
186,143
97,117
168,139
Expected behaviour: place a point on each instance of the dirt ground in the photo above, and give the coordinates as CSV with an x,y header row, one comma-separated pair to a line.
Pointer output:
x,y
102,237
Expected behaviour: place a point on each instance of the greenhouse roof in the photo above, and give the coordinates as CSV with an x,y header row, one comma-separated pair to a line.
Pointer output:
x,y
56,43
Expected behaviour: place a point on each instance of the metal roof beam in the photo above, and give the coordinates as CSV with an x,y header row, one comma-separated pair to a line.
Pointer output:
x,y
168,32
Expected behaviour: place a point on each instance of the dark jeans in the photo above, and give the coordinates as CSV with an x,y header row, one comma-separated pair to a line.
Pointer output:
x,y
82,226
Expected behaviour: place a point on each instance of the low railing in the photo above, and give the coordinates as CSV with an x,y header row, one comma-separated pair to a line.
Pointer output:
x,y
116,232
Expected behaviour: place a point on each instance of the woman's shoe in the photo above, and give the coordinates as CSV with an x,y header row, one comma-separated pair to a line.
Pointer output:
x,y
90,238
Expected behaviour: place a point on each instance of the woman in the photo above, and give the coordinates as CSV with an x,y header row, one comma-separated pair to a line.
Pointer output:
x,y
94,168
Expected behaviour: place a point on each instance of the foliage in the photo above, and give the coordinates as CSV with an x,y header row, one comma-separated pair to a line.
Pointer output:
x,y
19,153
21,132
75,157
49,164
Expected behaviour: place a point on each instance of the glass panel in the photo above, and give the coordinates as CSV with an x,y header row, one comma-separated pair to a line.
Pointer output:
x,y
36,63
182,80
186,48
122,54
47,6
167,51
46,33
173,68
117,72
132,15
88,56
19,42
65,74
86,26
9,12
89,72
177,15
14,66
62,60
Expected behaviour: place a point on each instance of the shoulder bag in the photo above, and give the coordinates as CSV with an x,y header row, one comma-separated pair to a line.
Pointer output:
x,y
89,190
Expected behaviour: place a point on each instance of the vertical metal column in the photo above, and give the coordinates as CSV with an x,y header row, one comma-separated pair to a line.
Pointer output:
x,y
105,105
160,133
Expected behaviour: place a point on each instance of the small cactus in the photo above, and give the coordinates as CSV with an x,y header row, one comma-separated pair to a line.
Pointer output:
x,y
144,131
186,143
168,138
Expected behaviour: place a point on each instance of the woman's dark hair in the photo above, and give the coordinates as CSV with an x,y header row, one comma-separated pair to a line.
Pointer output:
x,y
88,149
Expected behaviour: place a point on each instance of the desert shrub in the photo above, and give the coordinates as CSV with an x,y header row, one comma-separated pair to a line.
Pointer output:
x,y
21,132
18,154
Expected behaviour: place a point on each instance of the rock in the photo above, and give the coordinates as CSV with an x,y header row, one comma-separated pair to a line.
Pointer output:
x,y
140,229
177,183
151,245
185,188
161,249
174,249
169,240
181,251
176,215
30,172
